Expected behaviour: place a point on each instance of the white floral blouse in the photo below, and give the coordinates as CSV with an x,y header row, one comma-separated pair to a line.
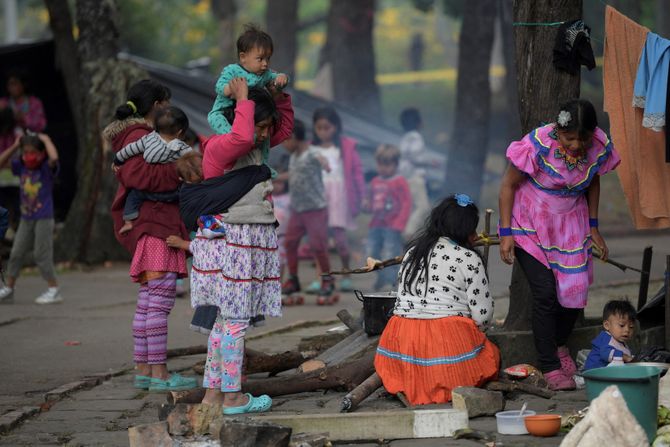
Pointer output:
x,y
456,286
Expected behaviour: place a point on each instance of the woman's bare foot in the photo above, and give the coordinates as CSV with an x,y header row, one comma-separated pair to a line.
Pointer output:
x,y
213,397
127,226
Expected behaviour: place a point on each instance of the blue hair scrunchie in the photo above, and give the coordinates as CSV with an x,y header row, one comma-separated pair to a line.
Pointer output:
x,y
463,200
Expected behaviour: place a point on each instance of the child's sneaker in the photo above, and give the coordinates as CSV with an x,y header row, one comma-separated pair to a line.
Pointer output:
x,y
290,291
346,285
314,288
291,285
6,295
567,364
327,294
558,381
51,296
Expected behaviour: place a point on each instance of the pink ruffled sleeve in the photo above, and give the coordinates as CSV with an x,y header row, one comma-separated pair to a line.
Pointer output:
x,y
611,162
522,154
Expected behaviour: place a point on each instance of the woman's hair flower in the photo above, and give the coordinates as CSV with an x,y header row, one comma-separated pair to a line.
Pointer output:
x,y
564,118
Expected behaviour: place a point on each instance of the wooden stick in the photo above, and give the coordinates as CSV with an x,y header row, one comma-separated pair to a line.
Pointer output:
x,y
349,321
623,267
352,400
487,232
189,350
483,241
512,385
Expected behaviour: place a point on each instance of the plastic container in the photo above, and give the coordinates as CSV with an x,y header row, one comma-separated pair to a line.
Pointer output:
x,y
377,310
638,385
543,424
512,423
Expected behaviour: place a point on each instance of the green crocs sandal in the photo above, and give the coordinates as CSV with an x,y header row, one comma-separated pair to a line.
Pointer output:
x,y
259,404
142,382
174,383
313,288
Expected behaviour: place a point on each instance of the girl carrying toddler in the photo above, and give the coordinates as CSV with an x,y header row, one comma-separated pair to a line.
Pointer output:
x,y
239,272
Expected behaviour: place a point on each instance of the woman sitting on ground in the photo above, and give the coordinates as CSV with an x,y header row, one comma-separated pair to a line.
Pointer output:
x,y
435,341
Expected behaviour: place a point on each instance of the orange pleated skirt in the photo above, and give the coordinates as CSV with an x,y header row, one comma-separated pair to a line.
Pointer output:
x,y
427,359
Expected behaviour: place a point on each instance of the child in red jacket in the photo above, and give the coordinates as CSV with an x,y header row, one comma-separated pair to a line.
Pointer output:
x,y
390,203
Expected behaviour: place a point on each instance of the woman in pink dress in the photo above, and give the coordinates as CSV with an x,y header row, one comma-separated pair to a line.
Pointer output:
x,y
549,221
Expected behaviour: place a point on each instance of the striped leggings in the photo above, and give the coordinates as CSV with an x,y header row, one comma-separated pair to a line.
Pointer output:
x,y
150,325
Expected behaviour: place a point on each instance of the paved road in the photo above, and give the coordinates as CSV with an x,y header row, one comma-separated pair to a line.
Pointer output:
x,y
99,306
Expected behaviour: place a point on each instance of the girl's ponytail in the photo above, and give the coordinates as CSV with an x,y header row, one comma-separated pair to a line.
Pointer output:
x,y
141,99
123,112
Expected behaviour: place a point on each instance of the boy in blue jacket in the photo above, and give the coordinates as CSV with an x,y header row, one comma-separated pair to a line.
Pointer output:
x,y
609,347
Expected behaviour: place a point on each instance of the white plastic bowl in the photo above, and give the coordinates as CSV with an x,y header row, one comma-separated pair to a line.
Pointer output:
x,y
512,423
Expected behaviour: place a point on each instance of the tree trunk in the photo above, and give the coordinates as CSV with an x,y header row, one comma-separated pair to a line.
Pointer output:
x,y
281,21
467,151
350,51
225,11
101,84
60,21
513,123
542,89
662,13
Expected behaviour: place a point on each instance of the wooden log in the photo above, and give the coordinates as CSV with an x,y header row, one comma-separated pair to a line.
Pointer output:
x,y
349,321
186,397
348,348
401,396
512,385
189,350
346,375
258,362
351,401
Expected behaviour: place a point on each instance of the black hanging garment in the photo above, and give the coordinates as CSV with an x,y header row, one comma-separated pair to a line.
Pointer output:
x,y
573,47
217,194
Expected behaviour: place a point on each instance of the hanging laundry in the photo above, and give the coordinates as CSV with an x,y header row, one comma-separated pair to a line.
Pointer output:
x,y
651,82
573,47
644,175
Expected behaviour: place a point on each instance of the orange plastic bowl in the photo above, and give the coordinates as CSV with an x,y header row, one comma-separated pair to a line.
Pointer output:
x,y
543,424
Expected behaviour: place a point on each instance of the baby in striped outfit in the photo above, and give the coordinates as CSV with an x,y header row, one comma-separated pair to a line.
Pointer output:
x,y
163,145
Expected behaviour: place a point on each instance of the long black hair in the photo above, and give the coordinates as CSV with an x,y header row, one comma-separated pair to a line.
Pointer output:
x,y
142,95
330,115
581,118
264,106
448,219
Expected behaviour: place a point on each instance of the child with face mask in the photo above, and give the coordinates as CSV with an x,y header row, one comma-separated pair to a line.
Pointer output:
x,y
36,167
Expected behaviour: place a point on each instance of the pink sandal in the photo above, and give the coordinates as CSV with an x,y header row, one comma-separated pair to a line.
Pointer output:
x,y
559,381
567,364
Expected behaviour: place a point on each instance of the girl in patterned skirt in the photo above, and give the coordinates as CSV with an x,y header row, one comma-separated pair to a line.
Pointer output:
x,y
435,340
549,221
239,271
